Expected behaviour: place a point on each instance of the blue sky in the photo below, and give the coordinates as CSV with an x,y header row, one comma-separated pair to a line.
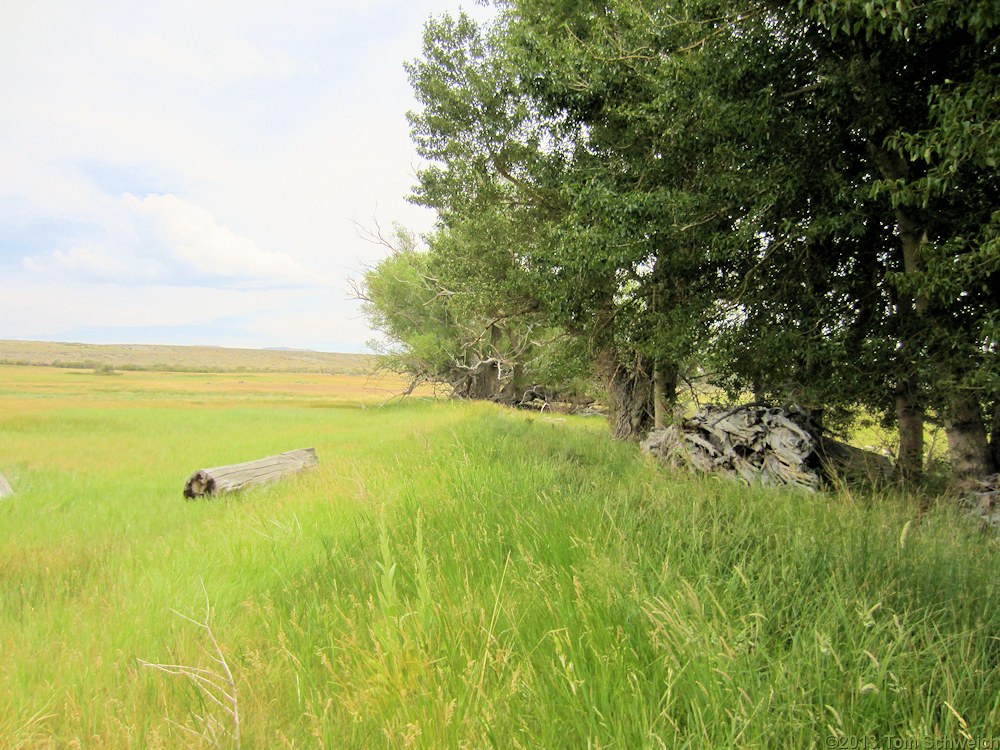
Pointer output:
x,y
189,172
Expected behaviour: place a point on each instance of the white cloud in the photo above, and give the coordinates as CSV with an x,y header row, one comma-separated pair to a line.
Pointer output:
x,y
195,240
163,239
161,153
97,264
48,308
52,308
32,266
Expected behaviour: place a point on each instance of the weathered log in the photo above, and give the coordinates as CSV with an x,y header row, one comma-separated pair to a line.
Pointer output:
x,y
850,463
5,488
222,479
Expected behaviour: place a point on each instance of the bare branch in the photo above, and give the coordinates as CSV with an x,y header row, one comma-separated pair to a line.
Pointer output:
x,y
374,236
208,681
805,89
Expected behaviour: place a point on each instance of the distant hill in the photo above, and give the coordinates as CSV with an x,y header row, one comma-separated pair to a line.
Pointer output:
x,y
180,358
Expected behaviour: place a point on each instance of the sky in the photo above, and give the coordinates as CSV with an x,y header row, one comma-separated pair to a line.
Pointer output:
x,y
194,171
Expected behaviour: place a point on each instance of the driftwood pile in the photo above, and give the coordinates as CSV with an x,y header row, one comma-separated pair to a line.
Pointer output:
x,y
750,443
984,502
539,398
222,479
756,443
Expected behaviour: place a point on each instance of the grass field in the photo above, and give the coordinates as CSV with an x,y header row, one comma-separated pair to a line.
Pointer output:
x,y
179,358
454,575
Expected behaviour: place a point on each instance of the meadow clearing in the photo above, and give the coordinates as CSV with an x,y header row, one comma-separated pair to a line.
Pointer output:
x,y
455,575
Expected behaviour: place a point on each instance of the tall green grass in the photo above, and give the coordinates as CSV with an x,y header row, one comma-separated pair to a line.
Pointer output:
x,y
464,576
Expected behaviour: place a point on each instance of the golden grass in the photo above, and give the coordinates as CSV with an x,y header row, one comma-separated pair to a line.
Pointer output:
x,y
161,357
19,385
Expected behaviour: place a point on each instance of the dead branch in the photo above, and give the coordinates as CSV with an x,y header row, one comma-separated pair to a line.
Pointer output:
x,y
217,684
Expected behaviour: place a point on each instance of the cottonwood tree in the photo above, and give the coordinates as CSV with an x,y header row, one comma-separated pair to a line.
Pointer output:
x,y
695,183
435,332
593,243
803,195
847,272
457,313
918,83
497,172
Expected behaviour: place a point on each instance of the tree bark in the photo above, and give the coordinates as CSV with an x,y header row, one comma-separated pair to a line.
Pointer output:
x,y
664,393
909,411
910,420
512,392
971,458
480,380
911,232
629,388
995,435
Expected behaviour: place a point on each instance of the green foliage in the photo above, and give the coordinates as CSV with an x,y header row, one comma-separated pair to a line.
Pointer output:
x,y
461,312
801,196
402,301
938,132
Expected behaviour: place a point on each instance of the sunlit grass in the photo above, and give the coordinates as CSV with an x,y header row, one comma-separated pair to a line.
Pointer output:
x,y
455,576
191,358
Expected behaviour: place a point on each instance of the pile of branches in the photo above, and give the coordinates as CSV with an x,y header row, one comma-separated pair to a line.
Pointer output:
x,y
760,443
540,398
984,502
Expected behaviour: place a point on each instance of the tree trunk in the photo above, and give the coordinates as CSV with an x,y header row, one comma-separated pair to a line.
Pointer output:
x,y
910,230
971,458
483,380
910,420
512,392
664,393
995,435
909,412
629,389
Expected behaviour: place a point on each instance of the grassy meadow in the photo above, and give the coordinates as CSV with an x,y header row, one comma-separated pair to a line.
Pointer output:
x,y
162,357
454,575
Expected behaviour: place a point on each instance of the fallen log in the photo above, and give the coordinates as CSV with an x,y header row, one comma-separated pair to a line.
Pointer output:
x,y
223,479
5,488
844,461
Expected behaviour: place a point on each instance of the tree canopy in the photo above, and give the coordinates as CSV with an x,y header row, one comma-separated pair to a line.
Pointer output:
x,y
800,199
